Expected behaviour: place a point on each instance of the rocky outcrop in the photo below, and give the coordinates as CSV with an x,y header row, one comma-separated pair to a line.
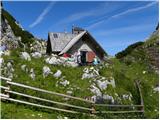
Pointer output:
x,y
8,39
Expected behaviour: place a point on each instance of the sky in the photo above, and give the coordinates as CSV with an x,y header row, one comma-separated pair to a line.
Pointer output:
x,y
114,24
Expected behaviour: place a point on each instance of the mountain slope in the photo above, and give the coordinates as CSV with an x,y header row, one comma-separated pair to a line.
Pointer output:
x,y
146,52
8,20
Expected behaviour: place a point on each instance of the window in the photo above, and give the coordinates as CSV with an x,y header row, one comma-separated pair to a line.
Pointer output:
x,y
55,35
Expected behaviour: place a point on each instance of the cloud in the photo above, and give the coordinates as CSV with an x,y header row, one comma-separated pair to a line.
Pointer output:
x,y
134,9
104,19
100,10
42,15
124,30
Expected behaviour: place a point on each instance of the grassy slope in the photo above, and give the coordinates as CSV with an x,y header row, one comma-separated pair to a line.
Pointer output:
x,y
137,61
124,77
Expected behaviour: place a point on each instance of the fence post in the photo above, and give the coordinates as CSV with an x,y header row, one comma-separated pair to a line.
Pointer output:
x,y
93,109
9,87
141,97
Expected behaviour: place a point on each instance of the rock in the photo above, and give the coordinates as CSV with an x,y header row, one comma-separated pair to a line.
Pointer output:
x,y
24,68
1,61
127,97
156,89
85,70
46,71
93,98
87,76
36,55
9,65
95,90
69,92
52,61
1,53
90,73
57,74
25,56
112,82
7,53
32,74
65,117
8,69
108,97
71,64
102,84
64,83
144,72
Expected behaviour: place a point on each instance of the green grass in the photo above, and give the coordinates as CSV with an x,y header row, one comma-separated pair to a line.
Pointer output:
x,y
124,76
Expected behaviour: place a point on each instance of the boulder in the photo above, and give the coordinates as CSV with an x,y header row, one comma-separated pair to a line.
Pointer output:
x,y
25,56
127,96
69,92
102,84
156,89
1,61
108,97
95,90
52,61
71,64
90,73
36,55
32,74
64,83
57,74
46,71
24,68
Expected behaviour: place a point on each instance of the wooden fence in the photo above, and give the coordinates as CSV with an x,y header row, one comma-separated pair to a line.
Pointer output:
x,y
93,106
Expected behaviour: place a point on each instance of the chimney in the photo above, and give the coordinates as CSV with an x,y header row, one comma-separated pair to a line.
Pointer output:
x,y
76,30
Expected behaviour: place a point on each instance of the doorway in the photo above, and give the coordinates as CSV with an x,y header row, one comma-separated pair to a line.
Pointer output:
x,y
83,57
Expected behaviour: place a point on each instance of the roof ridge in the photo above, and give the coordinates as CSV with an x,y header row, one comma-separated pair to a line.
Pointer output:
x,y
72,40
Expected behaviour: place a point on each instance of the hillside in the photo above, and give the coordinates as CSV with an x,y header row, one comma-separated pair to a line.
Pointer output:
x,y
111,82
146,52
18,31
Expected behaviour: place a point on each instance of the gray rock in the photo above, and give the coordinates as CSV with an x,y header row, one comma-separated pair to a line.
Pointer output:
x,y
36,55
57,74
25,56
32,74
64,83
156,89
46,71
95,90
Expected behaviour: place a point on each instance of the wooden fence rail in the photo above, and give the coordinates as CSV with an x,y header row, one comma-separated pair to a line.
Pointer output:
x,y
49,101
46,91
38,105
92,110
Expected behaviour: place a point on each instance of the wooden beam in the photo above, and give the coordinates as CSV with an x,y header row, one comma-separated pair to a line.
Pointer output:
x,y
38,105
109,105
3,95
4,78
3,87
42,99
140,93
119,112
46,91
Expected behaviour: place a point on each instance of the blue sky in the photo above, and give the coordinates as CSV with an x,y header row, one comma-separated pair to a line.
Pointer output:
x,y
115,25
